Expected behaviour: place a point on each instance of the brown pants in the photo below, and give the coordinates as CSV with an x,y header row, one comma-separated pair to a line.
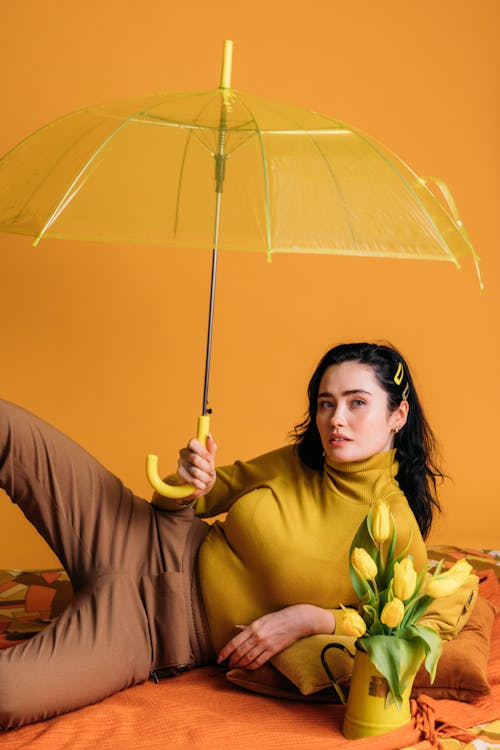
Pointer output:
x,y
137,605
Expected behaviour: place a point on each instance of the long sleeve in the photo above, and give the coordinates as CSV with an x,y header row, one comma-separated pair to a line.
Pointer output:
x,y
282,466
237,479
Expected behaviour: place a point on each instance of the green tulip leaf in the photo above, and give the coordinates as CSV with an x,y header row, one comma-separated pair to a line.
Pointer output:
x,y
431,643
397,659
375,627
362,539
437,569
369,525
405,551
361,586
420,581
384,652
389,561
415,610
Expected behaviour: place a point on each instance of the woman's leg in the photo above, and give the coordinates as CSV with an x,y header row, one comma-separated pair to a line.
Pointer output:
x,y
91,521
98,646
132,569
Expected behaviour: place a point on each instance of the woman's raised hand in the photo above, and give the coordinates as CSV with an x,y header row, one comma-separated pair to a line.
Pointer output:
x,y
196,466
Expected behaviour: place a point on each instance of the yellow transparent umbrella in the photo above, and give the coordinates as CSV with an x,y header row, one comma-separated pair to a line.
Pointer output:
x,y
227,168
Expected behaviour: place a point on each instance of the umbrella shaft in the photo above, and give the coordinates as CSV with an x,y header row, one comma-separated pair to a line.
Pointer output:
x,y
205,409
220,164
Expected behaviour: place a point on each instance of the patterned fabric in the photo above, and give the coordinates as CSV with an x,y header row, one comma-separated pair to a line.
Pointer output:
x,y
480,559
29,601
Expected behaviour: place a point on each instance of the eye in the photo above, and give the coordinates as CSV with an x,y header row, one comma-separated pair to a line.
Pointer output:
x,y
356,402
325,404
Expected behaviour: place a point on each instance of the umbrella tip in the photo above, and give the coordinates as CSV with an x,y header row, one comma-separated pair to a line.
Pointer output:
x,y
227,60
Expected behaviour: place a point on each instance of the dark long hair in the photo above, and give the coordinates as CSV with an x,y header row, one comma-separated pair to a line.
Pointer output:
x,y
414,443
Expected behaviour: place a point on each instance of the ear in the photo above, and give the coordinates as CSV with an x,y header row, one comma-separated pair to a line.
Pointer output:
x,y
400,415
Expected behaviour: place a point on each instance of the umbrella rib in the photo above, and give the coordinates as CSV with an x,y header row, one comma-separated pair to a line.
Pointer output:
x,y
310,134
337,185
181,175
266,180
191,131
152,120
440,237
446,193
58,161
245,140
71,192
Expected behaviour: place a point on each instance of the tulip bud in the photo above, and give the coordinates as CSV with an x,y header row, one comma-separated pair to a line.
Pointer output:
x,y
352,624
363,563
448,583
461,567
442,586
381,521
405,579
393,613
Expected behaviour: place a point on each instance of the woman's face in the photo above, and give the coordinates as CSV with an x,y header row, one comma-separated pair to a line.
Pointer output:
x,y
352,416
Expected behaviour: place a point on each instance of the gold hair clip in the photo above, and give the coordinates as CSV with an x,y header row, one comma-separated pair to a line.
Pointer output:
x,y
406,391
400,373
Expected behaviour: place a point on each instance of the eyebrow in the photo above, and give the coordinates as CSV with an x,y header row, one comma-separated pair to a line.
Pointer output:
x,y
324,394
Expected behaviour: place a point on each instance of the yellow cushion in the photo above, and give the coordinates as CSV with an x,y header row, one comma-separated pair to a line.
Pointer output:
x,y
298,673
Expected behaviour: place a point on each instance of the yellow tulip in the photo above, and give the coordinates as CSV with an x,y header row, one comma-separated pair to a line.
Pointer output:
x,y
393,613
461,567
448,583
352,624
381,521
405,579
363,563
442,586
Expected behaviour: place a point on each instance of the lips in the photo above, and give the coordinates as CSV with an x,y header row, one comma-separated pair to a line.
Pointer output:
x,y
337,439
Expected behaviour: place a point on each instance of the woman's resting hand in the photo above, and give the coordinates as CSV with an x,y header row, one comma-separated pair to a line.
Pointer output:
x,y
196,466
263,638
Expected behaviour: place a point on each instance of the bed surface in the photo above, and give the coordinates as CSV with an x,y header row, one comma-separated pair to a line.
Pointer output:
x,y
200,709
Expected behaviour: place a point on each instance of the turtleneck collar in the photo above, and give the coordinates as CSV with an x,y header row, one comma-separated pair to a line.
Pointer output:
x,y
364,481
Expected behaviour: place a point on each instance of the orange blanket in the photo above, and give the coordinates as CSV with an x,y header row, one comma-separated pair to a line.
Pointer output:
x,y
200,710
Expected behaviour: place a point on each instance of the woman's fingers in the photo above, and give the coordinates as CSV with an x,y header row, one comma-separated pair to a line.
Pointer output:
x,y
186,474
250,654
252,659
211,447
263,638
196,465
250,648
236,648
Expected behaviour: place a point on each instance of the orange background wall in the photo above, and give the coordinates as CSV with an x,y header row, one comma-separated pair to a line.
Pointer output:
x,y
107,342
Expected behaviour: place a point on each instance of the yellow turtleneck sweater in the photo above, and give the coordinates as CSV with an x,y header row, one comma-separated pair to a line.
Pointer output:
x,y
287,534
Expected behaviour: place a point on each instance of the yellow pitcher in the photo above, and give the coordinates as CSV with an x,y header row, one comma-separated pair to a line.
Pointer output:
x,y
366,712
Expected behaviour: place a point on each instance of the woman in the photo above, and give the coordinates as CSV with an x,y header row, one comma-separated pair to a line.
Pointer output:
x,y
275,571
286,541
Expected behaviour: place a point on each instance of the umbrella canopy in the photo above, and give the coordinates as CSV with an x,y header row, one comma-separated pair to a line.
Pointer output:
x,y
294,181
227,170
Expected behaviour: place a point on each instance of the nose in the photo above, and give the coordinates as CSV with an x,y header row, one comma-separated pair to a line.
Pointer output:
x,y
337,418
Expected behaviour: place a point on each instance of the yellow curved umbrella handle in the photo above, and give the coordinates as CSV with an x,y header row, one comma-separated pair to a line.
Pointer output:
x,y
170,490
